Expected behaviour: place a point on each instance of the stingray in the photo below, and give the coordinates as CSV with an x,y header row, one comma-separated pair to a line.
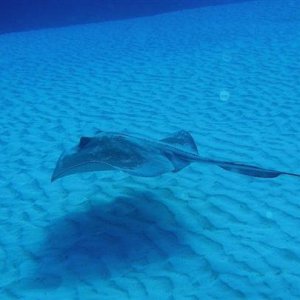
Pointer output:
x,y
144,157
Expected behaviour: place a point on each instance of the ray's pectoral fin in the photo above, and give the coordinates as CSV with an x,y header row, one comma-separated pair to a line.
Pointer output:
x,y
178,162
84,141
183,140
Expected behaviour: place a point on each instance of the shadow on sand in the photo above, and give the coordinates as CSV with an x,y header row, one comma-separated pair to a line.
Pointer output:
x,y
107,239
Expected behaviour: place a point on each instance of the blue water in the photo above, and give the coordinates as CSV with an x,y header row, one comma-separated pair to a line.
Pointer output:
x,y
18,15
229,74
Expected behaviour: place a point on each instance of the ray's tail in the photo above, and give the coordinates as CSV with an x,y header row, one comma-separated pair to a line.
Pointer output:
x,y
247,170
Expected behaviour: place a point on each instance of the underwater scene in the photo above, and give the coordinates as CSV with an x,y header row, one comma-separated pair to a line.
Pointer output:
x,y
149,149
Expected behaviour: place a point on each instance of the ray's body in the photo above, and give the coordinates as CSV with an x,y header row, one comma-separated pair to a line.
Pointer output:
x,y
140,156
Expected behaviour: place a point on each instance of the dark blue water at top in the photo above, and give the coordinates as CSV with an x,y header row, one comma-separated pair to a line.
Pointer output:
x,y
22,15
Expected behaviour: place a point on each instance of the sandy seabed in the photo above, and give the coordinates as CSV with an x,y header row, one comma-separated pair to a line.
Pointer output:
x,y
229,75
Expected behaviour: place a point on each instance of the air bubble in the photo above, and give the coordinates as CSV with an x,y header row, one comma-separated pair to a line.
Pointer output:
x,y
224,95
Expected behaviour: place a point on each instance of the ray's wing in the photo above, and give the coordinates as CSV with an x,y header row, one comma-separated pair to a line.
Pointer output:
x,y
76,161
